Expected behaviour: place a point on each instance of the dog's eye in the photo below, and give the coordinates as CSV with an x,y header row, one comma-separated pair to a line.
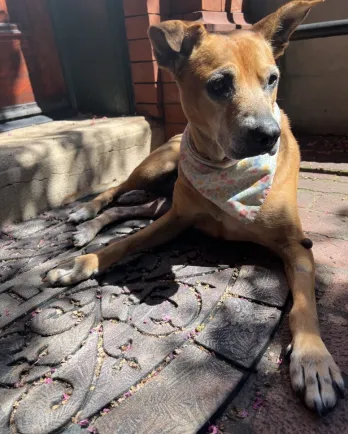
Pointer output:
x,y
272,80
220,86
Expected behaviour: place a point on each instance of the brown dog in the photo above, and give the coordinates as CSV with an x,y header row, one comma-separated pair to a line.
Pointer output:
x,y
228,88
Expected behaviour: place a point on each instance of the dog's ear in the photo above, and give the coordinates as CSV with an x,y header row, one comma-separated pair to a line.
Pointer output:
x,y
173,42
279,26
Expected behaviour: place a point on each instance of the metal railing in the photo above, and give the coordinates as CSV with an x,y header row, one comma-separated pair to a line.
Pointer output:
x,y
324,29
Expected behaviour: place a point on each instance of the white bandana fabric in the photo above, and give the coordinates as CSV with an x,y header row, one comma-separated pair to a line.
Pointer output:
x,y
240,188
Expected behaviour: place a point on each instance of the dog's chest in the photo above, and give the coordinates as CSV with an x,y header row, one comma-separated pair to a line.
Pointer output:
x,y
219,224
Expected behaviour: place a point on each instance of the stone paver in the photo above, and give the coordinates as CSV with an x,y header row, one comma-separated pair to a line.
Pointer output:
x,y
179,400
240,330
7,400
329,251
322,183
265,284
332,225
159,342
331,288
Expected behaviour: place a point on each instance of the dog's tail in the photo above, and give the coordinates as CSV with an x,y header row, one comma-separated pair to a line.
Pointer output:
x,y
88,192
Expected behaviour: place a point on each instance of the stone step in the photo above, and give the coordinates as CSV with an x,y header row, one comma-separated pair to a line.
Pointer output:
x,y
40,165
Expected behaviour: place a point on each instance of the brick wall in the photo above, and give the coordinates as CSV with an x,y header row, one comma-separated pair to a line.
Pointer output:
x,y
156,94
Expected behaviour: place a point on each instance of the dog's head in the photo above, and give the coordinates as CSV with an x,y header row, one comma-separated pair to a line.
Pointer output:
x,y
228,83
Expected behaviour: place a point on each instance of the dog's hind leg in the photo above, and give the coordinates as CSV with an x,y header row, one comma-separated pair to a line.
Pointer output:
x,y
88,230
90,210
155,174
83,267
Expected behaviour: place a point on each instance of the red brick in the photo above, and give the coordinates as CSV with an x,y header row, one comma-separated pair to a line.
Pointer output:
x,y
140,51
213,5
147,93
324,185
329,225
136,27
173,114
170,93
141,7
331,288
236,6
328,251
152,110
305,198
145,72
172,130
331,203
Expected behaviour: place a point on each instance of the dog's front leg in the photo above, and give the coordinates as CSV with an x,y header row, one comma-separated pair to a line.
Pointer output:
x,y
312,368
83,267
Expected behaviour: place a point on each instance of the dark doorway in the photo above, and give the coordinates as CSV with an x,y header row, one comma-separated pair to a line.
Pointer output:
x,y
91,37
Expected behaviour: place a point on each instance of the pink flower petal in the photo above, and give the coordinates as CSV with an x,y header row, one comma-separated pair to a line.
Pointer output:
x,y
106,410
213,429
84,422
258,403
48,381
66,396
242,414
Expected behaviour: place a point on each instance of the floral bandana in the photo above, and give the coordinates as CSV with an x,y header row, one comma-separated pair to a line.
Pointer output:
x,y
237,187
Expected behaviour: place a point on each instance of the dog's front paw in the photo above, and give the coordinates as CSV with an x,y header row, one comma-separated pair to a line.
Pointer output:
x,y
314,373
85,233
73,271
82,213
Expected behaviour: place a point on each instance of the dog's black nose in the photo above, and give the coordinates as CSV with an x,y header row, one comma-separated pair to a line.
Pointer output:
x,y
265,135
